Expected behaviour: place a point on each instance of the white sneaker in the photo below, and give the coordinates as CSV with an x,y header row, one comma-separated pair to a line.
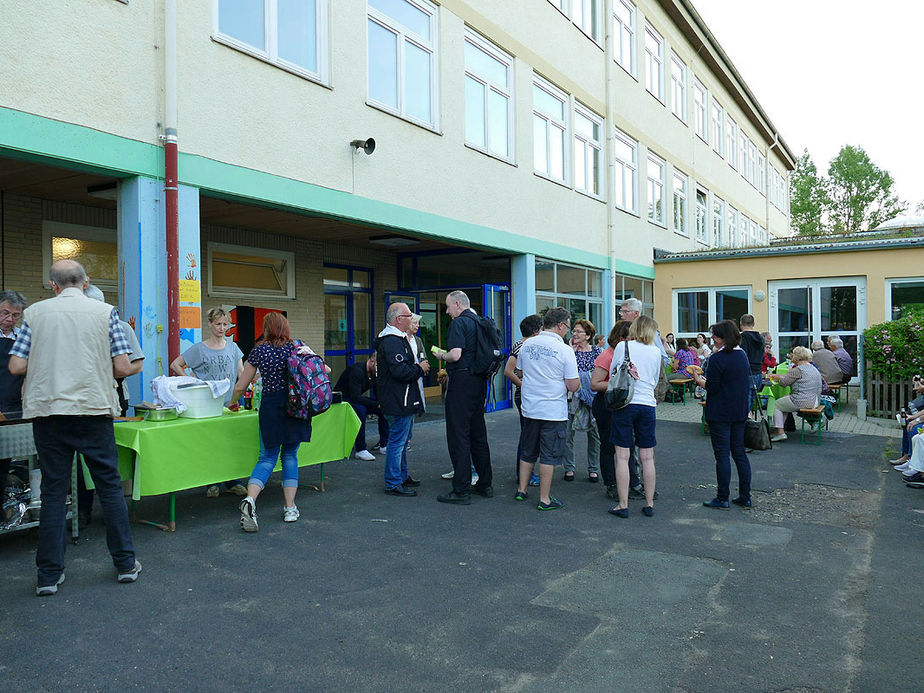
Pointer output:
x,y
903,467
290,514
364,455
213,491
896,462
474,478
777,439
448,475
249,515
383,451
49,590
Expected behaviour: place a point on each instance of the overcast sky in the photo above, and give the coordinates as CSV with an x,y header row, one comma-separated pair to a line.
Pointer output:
x,y
834,72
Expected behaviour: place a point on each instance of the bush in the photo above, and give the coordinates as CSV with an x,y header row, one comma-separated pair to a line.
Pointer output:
x,y
896,349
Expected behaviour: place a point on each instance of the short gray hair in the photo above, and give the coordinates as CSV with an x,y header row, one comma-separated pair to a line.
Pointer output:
x,y
835,341
67,273
394,310
459,297
633,304
14,298
818,345
94,292
415,319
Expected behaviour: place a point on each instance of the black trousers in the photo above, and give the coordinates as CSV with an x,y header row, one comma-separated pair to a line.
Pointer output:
x,y
466,434
607,450
57,438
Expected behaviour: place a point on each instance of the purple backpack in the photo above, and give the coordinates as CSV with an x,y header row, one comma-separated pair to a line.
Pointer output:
x,y
308,385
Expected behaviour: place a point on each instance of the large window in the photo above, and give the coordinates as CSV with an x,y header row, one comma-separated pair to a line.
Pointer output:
x,y
633,287
902,296
702,216
588,151
761,174
550,126
681,183
718,128
292,35
731,142
696,309
700,102
586,16
654,62
626,167
718,222
578,289
732,228
678,87
402,66
239,271
657,182
94,248
624,35
488,97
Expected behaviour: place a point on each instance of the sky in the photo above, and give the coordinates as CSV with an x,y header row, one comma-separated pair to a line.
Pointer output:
x,y
834,72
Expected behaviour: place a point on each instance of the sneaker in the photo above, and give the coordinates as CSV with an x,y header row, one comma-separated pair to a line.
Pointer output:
x,y
49,590
474,478
364,455
903,467
533,479
381,450
813,427
213,491
900,460
238,490
290,514
131,574
378,447
553,504
249,515
777,438
915,480
448,475
521,496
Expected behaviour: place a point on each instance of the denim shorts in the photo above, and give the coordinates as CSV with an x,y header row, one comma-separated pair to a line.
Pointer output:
x,y
543,441
633,426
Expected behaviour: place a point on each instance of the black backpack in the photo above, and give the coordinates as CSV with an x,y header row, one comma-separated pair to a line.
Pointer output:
x,y
489,351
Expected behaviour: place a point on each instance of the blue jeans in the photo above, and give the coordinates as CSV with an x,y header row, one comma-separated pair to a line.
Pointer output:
x,y
757,380
399,435
267,461
729,436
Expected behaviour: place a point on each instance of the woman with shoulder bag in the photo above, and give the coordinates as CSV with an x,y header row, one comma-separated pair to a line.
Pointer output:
x,y
728,387
599,382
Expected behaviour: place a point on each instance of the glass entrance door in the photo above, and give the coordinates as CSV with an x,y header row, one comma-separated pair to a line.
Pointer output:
x,y
804,311
496,303
348,331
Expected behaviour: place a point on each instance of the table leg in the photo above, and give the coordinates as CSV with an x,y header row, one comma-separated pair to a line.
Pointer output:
x,y
171,524
320,487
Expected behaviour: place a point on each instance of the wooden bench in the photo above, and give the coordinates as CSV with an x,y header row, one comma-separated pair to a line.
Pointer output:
x,y
813,415
678,387
702,403
836,393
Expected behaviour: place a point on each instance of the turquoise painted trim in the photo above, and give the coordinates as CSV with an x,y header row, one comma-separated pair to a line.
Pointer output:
x,y
52,141
635,269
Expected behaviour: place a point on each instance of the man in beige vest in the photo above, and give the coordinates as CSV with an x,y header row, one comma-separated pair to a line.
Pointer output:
x,y
70,349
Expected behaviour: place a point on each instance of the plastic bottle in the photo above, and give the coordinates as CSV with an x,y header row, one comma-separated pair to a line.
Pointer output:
x,y
257,393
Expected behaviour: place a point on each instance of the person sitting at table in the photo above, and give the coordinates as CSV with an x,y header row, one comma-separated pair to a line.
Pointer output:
x,y
826,362
844,360
353,382
280,434
215,358
769,358
685,355
669,346
912,424
805,381
702,347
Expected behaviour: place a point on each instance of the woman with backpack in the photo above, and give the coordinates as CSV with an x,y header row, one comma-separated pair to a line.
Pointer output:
x,y
280,434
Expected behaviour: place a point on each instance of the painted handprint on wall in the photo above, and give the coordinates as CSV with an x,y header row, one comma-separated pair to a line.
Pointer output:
x,y
190,259
190,275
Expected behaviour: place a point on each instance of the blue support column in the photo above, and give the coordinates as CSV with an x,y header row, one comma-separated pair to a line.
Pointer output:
x,y
523,288
143,271
190,268
609,311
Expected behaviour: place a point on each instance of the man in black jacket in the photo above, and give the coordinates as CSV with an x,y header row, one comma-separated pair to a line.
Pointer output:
x,y
752,342
353,382
399,397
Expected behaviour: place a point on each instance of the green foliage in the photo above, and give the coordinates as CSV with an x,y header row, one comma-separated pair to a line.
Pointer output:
x,y
808,197
896,348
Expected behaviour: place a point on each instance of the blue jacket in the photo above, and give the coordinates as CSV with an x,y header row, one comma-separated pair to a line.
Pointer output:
x,y
728,386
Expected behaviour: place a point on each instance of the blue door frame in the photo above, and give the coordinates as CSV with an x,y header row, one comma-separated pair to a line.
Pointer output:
x,y
353,349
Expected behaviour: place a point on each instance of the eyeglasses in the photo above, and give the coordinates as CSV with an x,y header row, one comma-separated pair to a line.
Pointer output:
x,y
406,316
8,314
578,330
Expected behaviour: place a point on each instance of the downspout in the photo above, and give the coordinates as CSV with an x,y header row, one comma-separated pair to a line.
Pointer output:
x,y
171,189
610,96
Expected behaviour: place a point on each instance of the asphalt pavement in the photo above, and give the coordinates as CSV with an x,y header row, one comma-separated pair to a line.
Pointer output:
x,y
814,589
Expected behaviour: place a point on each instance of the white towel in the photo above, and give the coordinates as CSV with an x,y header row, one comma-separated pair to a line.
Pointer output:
x,y
164,389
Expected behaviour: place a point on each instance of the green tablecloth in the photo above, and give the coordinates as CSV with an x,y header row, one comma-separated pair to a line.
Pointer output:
x,y
773,392
175,455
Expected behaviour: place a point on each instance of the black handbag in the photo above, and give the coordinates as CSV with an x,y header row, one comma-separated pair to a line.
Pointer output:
x,y
757,431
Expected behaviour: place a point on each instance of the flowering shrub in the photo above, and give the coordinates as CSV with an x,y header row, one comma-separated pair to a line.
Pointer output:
x,y
896,349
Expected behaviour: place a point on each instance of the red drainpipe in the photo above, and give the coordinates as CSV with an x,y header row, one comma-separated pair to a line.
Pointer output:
x,y
171,207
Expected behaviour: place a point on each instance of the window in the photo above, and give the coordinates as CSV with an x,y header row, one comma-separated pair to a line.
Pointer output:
x,y
742,153
240,271
488,97
292,35
902,296
699,110
578,289
731,142
624,35
402,58
561,5
752,163
626,167
586,16
761,174
680,203
588,151
718,222
657,172
550,124
696,309
625,286
678,87
731,227
654,62
702,216
93,247
718,128
762,235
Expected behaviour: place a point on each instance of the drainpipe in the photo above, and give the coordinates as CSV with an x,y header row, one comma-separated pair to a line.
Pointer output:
x,y
171,189
775,143
610,96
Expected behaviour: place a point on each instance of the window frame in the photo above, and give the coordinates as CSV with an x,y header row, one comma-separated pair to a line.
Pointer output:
x,y
550,120
270,36
684,194
717,118
679,84
652,59
623,34
700,110
596,13
711,304
731,141
403,36
889,284
624,166
761,170
492,50
718,222
651,184
701,230
82,232
589,146
555,295
240,292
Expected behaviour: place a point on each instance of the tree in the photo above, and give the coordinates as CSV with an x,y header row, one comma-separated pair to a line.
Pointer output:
x,y
860,195
808,197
